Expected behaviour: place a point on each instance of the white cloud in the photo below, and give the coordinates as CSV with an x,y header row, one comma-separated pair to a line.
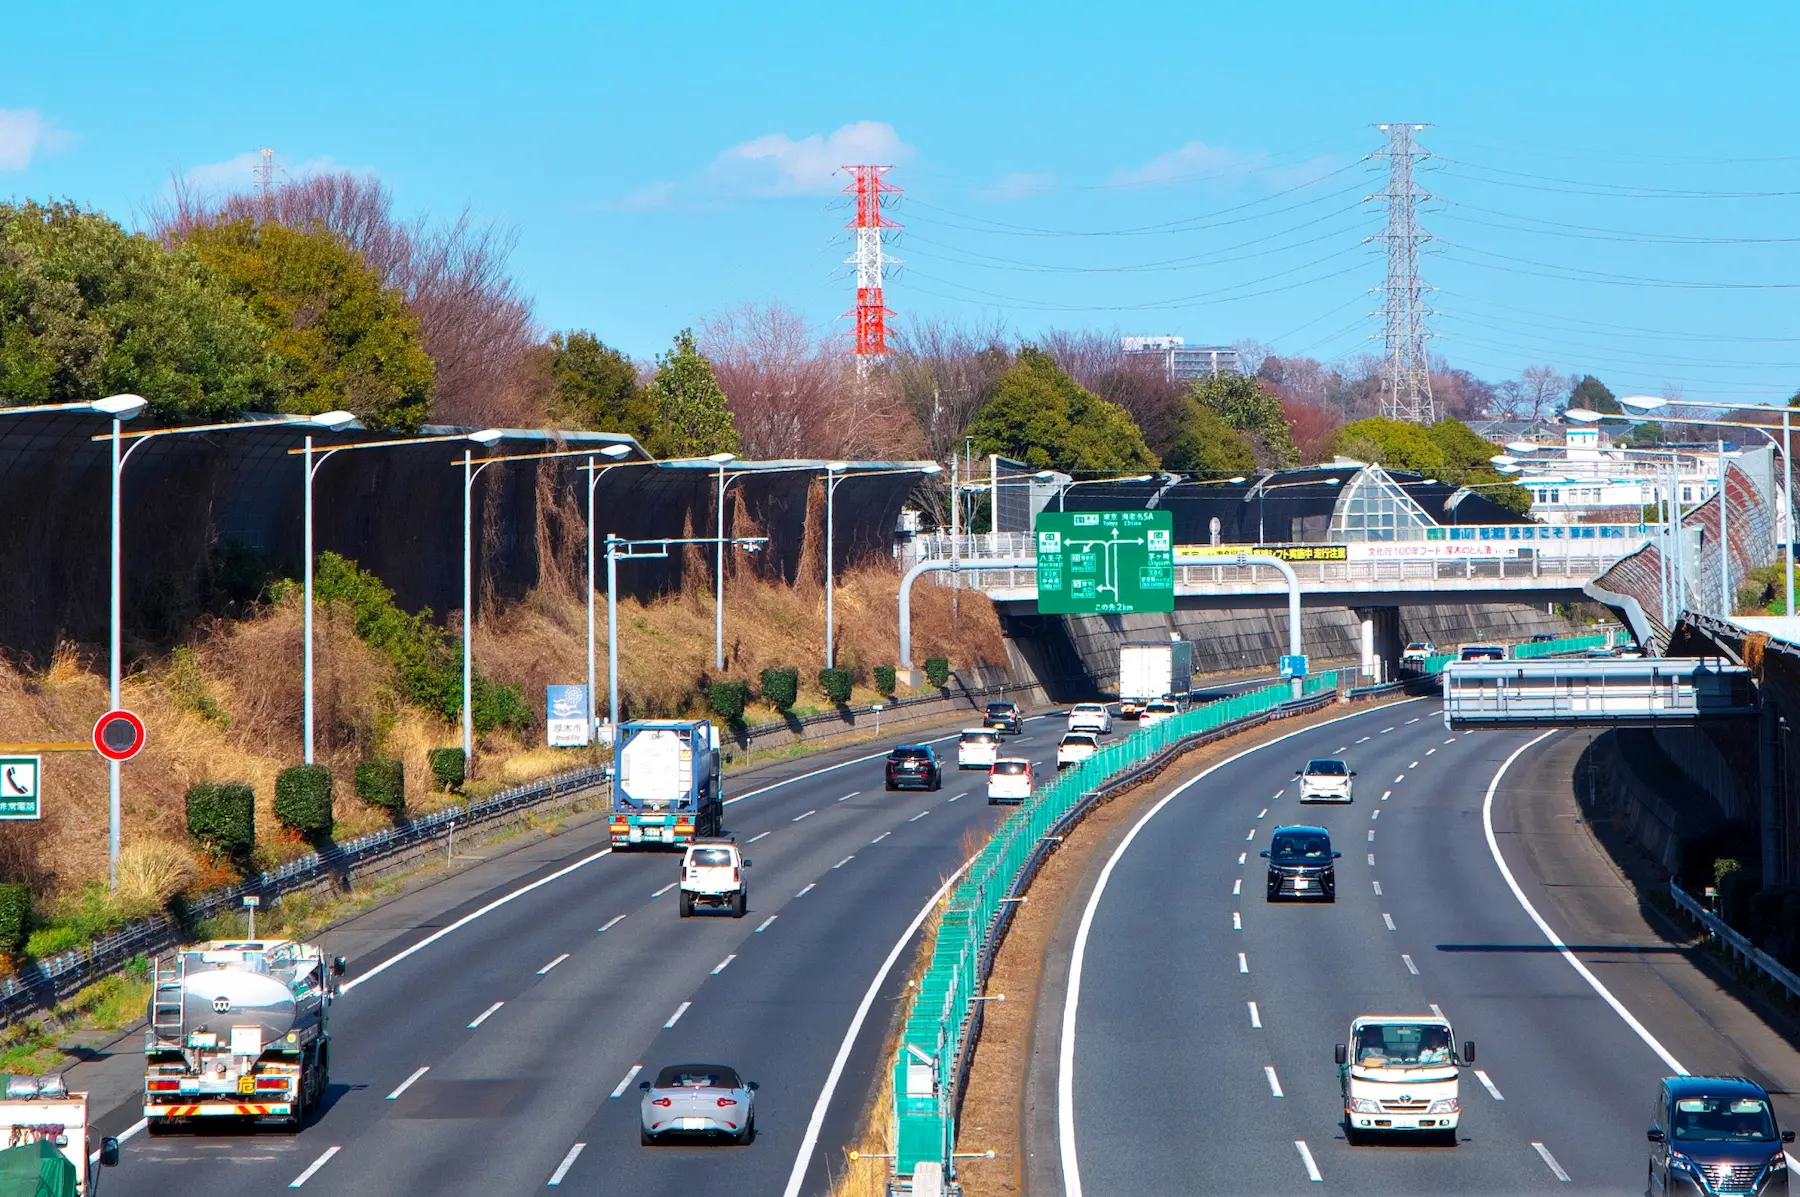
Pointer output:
x,y
1017,186
24,134
1220,166
239,173
776,164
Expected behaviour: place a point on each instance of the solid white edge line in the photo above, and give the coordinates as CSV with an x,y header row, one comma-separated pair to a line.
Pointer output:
x,y
562,1169
1606,995
1274,1081
809,1142
1550,1161
407,1083
315,1166
676,1017
1068,1156
626,1083
486,1014
1306,1157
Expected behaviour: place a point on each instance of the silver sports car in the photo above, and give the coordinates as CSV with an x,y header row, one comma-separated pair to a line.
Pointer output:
x,y
697,1099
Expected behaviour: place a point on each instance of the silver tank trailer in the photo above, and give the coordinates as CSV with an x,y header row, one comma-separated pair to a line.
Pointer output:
x,y
225,989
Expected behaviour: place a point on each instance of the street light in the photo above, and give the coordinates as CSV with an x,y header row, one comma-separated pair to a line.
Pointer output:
x,y
487,438
595,473
721,460
1262,486
1064,489
836,472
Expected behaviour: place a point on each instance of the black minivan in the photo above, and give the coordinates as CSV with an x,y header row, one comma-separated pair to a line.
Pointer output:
x,y
1716,1134
1300,864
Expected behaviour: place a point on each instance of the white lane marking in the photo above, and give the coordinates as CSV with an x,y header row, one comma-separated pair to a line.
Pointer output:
x,y
1550,1160
613,922
765,924
665,889
1341,748
1306,1157
1371,860
1375,814
954,797
1264,811
759,835
1237,887
407,1083
1388,919
1400,779
1412,721
1429,751
849,796
1414,765
881,837
1242,856
1386,794
553,964
809,814
810,1141
1237,921
1255,1017
1410,966
466,919
1488,1084
807,890
1438,1010
1386,730
626,1083
1274,1081
129,1132
1243,964
486,1014
314,1167
1068,1155
568,1161
840,864
720,967
1364,740
1451,740
1487,819
1279,793
920,815
676,1017
1377,885
1371,835
1252,834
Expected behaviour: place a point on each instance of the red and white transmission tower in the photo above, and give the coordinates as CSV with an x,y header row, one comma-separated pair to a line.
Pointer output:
x,y
871,314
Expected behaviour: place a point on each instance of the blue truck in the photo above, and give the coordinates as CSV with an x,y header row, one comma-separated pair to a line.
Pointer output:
x,y
668,788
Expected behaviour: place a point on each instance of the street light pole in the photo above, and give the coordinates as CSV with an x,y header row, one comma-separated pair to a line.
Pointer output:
x,y
1724,542
468,619
306,673
114,803
832,478
612,636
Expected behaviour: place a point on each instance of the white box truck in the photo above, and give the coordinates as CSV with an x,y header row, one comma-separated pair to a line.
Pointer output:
x,y
1399,1075
1152,669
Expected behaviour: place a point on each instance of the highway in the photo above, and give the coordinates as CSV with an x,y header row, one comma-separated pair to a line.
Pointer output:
x,y
1199,1058
502,1056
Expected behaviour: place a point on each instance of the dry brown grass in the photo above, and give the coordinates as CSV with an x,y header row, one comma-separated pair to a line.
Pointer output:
x,y
151,871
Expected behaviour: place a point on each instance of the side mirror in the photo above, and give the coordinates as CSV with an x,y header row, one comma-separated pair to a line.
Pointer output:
x,y
752,1086
644,1085
1343,1054
1654,1134
109,1152
338,965
1335,854
747,864
1265,854
1353,772
1787,1136
1468,1051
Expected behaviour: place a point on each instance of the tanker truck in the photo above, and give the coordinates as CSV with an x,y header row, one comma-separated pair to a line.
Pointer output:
x,y
667,788
237,1030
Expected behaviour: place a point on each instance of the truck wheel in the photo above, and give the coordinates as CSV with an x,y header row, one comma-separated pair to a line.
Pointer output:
x,y
685,902
1351,1138
1447,1138
156,1126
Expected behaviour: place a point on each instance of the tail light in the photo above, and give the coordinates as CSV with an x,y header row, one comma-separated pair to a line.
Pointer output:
x,y
727,1101
661,1101
162,1086
735,875
271,1082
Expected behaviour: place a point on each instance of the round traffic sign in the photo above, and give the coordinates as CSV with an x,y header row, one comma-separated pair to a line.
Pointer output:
x,y
119,735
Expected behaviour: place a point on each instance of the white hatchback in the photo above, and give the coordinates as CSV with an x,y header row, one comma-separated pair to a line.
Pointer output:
x,y
977,748
1325,780
1156,712
1093,717
1075,747
1009,780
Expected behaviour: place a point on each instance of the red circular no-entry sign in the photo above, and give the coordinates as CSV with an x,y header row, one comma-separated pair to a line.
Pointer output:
x,y
119,735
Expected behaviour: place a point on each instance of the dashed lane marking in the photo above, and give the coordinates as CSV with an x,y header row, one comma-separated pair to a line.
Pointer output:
x,y
1242,856
1414,765
1550,1161
1255,1017
486,1014
1237,921
1265,811
1429,751
881,837
1388,919
1377,885
665,889
759,835
720,967
1410,966
1375,814
849,796
1306,1157
568,1161
1384,731
920,815
676,1017
315,1166
807,815
1371,860
1243,964
1400,779
1371,835
1252,834
1386,794
552,964
407,1083
626,1083
840,864
1413,720
613,922
807,890
1364,740
765,924
1237,887
1274,1081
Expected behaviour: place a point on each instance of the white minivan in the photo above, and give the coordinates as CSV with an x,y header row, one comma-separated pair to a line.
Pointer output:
x,y
1009,781
977,748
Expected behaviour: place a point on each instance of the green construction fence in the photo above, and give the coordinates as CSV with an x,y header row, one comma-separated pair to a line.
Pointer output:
x,y
1530,649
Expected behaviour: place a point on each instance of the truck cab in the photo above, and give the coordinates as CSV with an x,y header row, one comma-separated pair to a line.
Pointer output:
x,y
1399,1074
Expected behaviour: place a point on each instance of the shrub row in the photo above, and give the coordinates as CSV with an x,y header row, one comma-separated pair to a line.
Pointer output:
x,y
221,815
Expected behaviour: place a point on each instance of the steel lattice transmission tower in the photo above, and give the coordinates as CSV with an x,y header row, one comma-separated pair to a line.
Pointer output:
x,y
1406,376
871,314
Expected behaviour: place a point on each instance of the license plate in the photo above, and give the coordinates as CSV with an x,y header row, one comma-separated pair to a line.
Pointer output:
x,y
1302,883
246,1084
693,1124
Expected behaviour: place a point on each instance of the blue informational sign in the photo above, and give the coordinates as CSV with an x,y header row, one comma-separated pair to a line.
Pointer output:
x,y
1292,666
566,722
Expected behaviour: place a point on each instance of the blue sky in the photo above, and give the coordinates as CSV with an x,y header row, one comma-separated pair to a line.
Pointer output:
x,y
1604,170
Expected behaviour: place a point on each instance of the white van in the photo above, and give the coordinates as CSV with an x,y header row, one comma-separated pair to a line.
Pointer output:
x,y
977,748
1009,781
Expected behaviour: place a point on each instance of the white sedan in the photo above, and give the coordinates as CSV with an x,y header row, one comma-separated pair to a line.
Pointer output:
x,y
1325,780
1093,717
1075,747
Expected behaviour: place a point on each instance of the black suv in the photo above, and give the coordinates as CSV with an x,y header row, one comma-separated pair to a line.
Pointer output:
x,y
1716,1134
1003,717
1300,864
914,767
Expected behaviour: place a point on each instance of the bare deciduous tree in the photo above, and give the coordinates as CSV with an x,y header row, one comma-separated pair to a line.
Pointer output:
x,y
1542,388
945,374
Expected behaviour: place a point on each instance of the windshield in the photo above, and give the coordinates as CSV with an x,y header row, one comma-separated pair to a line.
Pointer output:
x,y
1403,1045
1723,1120
909,754
1079,741
1162,707
1417,645
1326,768
978,738
695,1076
709,858
1300,845
1011,768
1000,708
1491,652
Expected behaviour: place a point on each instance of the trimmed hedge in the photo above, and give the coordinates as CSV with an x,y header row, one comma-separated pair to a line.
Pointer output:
x,y
15,917
728,699
221,817
937,671
835,683
449,767
781,687
381,781
303,800
885,679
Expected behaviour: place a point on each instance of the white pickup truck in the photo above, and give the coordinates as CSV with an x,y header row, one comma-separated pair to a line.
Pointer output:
x,y
1399,1075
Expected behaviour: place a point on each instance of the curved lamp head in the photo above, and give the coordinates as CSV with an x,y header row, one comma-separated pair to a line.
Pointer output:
x,y
1501,459
1507,469
931,468
333,421
488,436
1045,475
1642,402
616,451
833,467
1332,481
1524,447
120,407
1140,478
1237,481
721,458
1581,415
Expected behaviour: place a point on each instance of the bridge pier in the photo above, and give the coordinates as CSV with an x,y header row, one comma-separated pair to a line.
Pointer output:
x,y
1381,643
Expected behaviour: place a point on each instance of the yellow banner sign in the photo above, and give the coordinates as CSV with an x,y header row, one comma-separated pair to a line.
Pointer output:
x,y
1199,554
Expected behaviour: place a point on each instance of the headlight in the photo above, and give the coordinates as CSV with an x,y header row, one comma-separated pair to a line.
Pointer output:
x,y
1443,1105
1778,1161
1677,1160
1364,1105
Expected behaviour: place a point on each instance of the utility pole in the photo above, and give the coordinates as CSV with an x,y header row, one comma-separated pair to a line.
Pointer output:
x,y
1406,375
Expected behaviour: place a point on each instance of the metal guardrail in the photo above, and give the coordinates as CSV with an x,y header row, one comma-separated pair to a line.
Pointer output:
x,y
1736,943
41,984
933,1058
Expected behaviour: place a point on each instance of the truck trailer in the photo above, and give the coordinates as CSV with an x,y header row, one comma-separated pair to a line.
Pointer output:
x,y
668,789
237,1030
1152,669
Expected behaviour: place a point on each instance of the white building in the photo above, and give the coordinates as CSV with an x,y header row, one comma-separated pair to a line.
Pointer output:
x,y
1177,360
1586,477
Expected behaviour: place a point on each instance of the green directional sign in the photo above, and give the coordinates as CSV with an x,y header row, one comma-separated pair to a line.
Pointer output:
x,y
1105,562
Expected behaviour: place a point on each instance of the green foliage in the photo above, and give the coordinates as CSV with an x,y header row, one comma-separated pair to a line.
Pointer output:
x,y
1041,416
835,685
1396,444
98,912
937,671
497,705
728,699
1207,446
448,766
338,338
1242,403
188,686
885,679
1448,451
15,916
781,687
692,418
1646,434
303,800
221,817
89,310
381,781
597,387
1592,394
1764,590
